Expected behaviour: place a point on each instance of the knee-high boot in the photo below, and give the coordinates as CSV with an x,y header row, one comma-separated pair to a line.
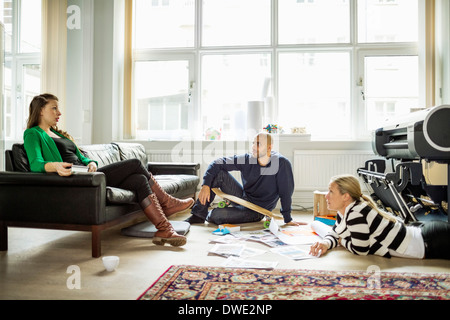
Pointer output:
x,y
169,203
165,233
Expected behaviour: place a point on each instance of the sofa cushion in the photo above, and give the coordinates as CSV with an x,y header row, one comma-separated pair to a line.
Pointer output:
x,y
132,151
104,154
120,196
179,185
20,158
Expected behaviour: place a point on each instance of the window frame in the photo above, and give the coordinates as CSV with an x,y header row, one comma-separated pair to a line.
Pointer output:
x,y
356,51
145,55
361,112
17,60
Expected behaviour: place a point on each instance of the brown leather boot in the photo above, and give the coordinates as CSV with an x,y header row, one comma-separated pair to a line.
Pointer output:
x,y
165,233
169,204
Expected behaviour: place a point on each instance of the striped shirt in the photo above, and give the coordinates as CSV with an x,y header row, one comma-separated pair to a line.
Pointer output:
x,y
364,231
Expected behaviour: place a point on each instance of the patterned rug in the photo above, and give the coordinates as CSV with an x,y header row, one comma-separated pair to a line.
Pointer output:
x,y
217,283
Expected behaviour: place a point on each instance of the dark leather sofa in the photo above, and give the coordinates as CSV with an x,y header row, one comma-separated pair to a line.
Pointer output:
x,y
82,201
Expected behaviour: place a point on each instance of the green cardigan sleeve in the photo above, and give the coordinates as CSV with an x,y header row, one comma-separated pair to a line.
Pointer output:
x,y
41,149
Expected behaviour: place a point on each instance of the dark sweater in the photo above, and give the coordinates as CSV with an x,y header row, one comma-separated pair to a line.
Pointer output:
x,y
263,186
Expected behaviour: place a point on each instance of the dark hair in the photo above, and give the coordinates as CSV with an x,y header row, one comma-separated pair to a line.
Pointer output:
x,y
36,106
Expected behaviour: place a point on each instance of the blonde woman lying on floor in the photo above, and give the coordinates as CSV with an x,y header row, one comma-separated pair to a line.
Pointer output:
x,y
363,229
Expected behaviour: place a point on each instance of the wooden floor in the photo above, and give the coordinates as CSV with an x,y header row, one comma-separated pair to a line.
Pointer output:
x,y
40,264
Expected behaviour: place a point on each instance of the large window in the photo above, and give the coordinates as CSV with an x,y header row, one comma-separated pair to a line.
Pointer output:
x,y
315,89
339,68
22,70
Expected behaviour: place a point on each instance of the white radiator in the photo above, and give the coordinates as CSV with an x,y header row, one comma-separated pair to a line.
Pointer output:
x,y
159,156
314,168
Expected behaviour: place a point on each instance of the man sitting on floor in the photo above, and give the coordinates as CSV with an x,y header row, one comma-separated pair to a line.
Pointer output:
x,y
266,178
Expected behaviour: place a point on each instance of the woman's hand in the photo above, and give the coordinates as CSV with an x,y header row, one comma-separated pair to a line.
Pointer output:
x,y
318,249
63,169
204,194
92,167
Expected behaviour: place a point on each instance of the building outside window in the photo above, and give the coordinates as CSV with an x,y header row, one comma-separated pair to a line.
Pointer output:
x,y
339,68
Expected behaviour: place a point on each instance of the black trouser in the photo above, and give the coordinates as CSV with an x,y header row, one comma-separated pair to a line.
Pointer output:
x,y
436,236
129,175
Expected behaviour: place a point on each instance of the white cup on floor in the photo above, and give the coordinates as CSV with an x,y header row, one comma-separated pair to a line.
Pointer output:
x,y
110,262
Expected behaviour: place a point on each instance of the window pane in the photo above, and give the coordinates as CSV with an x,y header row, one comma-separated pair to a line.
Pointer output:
x,y
318,21
314,92
164,23
7,101
388,20
392,87
31,75
30,26
236,22
161,98
31,81
6,16
228,83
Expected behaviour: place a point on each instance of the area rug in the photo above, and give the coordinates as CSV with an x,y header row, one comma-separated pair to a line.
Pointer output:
x,y
217,283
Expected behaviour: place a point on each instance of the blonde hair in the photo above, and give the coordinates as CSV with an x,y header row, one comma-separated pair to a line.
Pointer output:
x,y
349,184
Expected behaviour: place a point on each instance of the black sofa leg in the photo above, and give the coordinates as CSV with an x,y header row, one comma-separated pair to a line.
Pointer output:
x,y
3,236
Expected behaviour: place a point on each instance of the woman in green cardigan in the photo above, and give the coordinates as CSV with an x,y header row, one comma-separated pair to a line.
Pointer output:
x,y
52,150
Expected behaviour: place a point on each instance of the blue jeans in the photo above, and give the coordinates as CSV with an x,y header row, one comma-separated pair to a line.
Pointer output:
x,y
233,214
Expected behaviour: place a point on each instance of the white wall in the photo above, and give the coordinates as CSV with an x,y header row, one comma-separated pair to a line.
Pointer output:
x,y
95,72
443,52
2,133
108,70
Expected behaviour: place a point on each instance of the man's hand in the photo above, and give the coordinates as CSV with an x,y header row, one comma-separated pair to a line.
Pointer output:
x,y
204,194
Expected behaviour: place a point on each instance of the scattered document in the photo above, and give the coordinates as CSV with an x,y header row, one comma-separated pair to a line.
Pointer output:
x,y
261,236
227,250
226,239
251,252
282,241
293,252
294,235
235,250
